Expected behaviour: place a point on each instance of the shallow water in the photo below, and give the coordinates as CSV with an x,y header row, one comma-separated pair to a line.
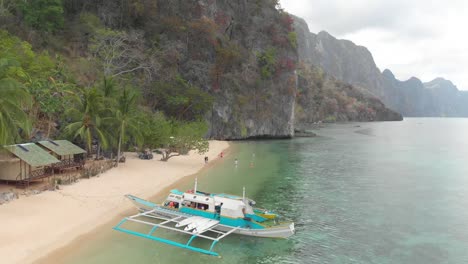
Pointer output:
x,y
393,192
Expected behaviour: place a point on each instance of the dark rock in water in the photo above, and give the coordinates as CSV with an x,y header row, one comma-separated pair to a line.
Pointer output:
x,y
303,133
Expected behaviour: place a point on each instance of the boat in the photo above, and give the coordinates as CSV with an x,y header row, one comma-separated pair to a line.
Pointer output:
x,y
265,213
206,215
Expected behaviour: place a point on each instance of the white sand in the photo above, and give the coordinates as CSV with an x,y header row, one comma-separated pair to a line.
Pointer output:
x,y
32,227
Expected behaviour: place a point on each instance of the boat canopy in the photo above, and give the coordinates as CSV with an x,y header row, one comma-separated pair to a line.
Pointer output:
x,y
175,191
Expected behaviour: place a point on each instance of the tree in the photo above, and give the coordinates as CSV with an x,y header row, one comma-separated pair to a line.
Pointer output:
x,y
49,101
12,99
155,128
181,100
186,136
122,53
45,15
5,8
125,114
86,115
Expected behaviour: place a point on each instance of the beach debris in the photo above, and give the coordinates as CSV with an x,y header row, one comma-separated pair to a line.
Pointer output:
x,y
7,196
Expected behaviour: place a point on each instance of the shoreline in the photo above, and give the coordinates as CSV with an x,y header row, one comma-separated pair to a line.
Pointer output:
x,y
36,228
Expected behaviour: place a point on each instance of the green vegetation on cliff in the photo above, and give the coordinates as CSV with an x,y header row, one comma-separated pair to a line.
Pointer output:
x,y
189,60
322,98
40,99
113,75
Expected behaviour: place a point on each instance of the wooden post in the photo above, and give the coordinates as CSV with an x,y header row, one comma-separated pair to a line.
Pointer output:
x,y
29,178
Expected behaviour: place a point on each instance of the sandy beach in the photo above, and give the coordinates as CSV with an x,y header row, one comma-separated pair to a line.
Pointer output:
x,y
34,226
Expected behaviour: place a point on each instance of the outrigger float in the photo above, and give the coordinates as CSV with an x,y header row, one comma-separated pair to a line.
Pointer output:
x,y
204,215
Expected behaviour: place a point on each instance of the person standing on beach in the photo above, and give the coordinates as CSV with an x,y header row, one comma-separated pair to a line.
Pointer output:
x,y
206,159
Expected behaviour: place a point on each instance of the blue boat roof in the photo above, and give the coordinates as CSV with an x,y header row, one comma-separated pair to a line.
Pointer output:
x,y
175,191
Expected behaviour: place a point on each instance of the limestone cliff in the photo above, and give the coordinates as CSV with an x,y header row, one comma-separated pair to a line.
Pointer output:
x,y
324,97
240,52
254,96
354,64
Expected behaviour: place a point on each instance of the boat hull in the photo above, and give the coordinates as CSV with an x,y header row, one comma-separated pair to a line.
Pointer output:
x,y
279,231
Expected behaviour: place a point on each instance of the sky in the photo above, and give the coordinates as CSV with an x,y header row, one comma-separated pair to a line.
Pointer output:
x,y
422,38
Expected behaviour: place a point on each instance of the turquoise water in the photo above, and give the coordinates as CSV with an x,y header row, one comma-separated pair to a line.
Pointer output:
x,y
392,192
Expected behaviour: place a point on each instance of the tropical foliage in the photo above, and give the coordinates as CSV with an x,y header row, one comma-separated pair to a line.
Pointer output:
x,y
13,97
46,15
185,137
86,118
125,116
182,100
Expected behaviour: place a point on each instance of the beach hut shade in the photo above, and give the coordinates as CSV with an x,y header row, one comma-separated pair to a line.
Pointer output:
x,y
32,154
62,147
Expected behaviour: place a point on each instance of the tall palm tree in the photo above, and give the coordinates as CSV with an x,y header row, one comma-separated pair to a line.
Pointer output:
x,y
86,116
13,98
125,117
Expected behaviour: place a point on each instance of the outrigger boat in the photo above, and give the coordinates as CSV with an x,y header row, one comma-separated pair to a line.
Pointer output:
x,y
205,215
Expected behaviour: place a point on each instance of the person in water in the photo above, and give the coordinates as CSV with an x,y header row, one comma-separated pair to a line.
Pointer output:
x,y
236,162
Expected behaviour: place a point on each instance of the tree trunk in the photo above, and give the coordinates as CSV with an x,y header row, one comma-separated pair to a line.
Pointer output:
x,y
48,127
118,148
167,155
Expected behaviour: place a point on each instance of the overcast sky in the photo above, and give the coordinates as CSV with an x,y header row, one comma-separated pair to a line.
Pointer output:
x,y
421,38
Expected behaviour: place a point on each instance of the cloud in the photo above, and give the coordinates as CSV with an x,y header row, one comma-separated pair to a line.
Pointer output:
x,y
422,38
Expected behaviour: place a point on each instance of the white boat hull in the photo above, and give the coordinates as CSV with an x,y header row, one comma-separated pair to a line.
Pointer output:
x,y
280,231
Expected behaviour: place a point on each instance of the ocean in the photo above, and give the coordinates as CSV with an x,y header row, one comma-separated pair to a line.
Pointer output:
x,y
383,192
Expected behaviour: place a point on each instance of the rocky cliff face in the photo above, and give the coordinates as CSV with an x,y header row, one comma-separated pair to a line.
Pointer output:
x,y
410,97
324,97
438,98
240,52
447,98
341,59
354,64
247,64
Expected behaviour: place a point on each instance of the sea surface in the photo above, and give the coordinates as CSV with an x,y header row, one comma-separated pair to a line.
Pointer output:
x,y
385,192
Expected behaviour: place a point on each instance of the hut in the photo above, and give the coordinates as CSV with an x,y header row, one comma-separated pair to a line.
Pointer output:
x,y
69,154
26,163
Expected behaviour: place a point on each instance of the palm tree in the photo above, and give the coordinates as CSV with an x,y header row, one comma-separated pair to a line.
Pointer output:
x,y
12,100
108,86
86,116
125,117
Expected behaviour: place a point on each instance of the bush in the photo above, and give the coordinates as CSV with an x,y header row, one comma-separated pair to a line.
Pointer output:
x,y
45,15
267,63
292,36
